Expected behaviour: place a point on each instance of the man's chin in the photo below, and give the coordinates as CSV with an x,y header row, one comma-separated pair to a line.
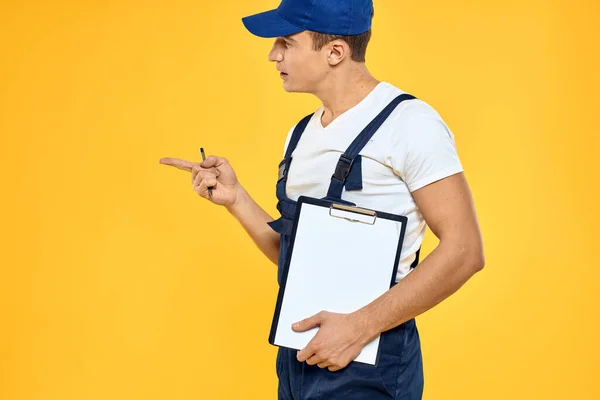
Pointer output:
x,y
287,87
291,88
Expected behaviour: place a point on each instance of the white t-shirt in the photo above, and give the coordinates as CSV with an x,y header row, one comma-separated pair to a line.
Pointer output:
x,y
412,148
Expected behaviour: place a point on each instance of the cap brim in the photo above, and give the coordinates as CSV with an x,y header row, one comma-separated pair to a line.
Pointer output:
x,y
269,24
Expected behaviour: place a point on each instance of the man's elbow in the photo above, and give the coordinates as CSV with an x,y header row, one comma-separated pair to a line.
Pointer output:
x,y
475,260
468,254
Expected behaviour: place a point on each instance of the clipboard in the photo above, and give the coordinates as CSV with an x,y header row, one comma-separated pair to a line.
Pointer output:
x,y
340,259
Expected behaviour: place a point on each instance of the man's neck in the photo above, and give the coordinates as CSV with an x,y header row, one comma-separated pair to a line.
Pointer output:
x,y
344,91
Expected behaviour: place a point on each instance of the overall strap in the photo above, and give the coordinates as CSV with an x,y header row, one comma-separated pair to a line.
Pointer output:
x,y
342,169
284,165
285,205
416,260
298,130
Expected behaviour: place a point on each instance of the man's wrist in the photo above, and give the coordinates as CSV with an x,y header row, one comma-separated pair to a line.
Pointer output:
x,y
366,326
241,199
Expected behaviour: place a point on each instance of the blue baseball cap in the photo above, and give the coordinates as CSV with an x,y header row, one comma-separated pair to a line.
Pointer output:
x,y
334,17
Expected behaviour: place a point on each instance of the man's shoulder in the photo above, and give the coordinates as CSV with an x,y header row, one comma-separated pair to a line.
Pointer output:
x,y
414,119
407,109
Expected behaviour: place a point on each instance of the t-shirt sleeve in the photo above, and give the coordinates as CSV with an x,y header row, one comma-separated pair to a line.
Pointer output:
x,y
423,150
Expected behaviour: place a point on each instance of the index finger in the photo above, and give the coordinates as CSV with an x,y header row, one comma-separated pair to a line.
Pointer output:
x,y
177,163
307,352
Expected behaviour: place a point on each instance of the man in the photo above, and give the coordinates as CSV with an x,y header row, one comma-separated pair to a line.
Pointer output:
x,y
407,164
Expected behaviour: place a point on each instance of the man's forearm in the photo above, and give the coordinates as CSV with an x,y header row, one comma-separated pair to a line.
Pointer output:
x,y
254,220
438,276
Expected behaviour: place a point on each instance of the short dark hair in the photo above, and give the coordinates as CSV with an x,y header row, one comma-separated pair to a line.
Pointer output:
x,y
357,43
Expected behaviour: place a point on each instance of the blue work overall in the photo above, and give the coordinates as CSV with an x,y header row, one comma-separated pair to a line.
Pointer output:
x,y
399,373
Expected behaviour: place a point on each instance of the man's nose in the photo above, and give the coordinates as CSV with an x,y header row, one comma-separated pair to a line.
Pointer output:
x,y
275,54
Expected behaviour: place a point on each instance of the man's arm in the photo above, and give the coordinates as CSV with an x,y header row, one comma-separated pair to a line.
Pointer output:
x,y
217,173
254,220
448,209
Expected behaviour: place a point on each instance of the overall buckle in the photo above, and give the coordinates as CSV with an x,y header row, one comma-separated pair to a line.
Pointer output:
x,y
342,169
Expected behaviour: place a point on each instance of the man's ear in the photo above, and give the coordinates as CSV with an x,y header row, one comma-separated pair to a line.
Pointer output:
x,y
337,51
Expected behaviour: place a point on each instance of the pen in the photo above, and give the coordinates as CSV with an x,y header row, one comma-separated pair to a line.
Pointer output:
x,y
204,158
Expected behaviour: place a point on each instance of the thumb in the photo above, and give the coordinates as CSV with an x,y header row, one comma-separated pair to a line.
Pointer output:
x,y
213,161
309,323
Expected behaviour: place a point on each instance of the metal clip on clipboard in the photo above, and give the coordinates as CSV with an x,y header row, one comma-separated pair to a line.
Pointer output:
x,y
354,210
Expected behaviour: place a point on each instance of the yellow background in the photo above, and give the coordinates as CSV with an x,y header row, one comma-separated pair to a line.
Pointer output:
x,y
118,282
